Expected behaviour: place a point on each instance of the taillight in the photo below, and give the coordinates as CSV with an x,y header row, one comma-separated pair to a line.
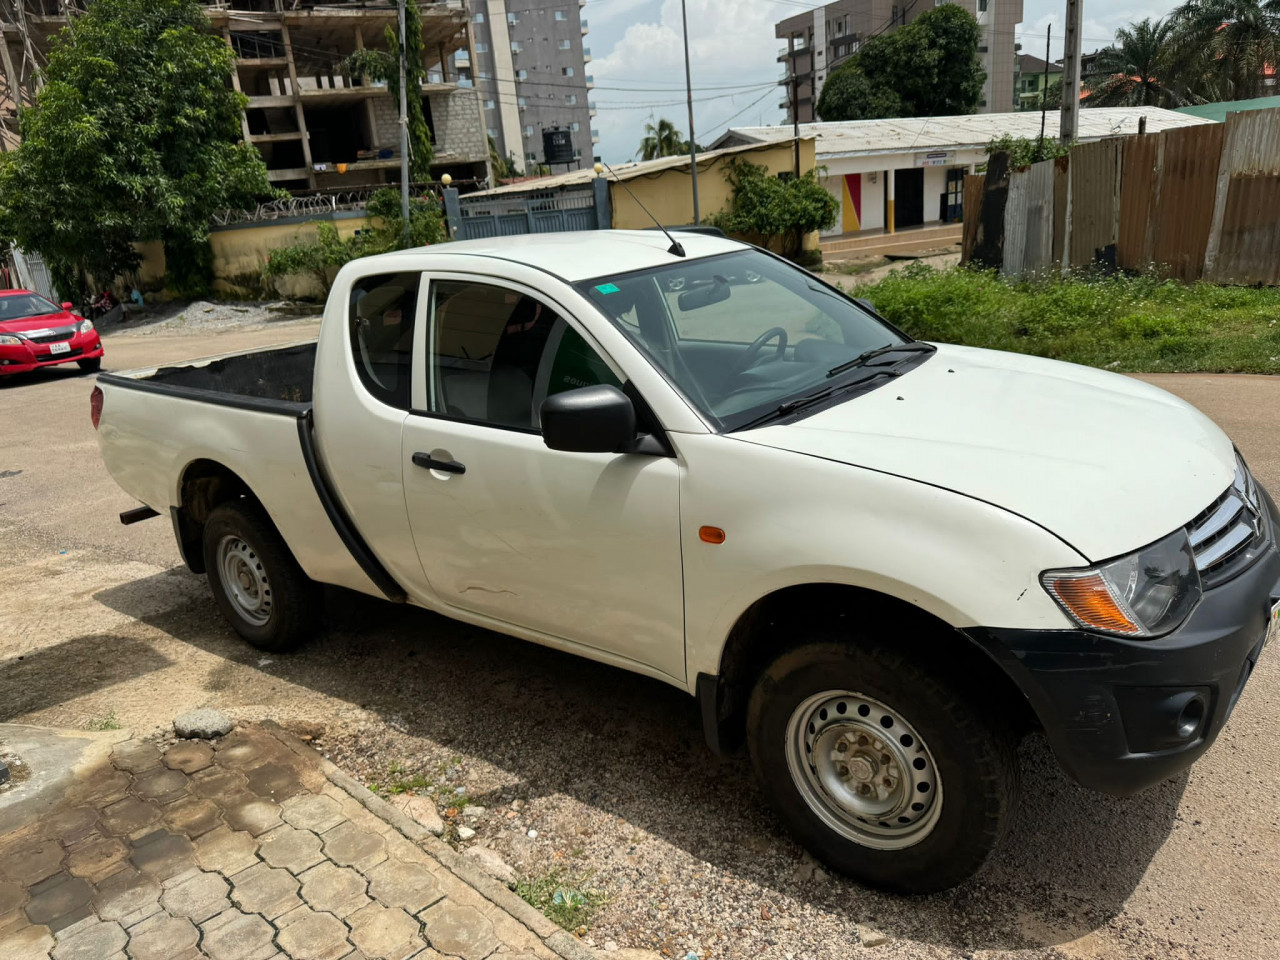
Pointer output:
x,y
95,406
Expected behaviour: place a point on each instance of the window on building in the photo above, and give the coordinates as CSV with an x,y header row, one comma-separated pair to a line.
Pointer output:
x,y
982,6
561,15
492,132
571,99
479,18
491,105
982,48
893,16
522,74
566,71
483,75
575,126
522,101
515,46
566,44
381,314
528,131
513,18
482,48
496,354
839,28
531,158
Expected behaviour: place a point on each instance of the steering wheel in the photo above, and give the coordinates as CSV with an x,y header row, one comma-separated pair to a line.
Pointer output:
x,y
753,352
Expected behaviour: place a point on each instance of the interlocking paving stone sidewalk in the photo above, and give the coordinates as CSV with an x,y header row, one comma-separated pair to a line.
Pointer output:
x,y
250,848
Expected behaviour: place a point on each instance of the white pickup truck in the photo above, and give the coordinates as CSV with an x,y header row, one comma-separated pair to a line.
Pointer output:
x,y
874,561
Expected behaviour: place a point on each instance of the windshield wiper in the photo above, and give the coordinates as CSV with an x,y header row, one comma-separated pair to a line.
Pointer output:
x,y
791,406
861,359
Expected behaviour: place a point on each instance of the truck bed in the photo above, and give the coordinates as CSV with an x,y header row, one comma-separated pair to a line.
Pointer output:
x,y
276,377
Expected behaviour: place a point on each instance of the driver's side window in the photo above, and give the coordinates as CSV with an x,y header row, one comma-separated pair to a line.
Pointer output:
x,y
497,353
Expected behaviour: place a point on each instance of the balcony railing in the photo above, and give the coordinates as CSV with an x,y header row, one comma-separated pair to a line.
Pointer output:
x,y
584,28
586,54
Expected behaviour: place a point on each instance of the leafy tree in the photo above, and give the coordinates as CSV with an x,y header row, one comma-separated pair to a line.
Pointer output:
x,y
322,257
504,168
662,140
384,66
1024,151
775,209
926,68
1232,42
134,137
1140,70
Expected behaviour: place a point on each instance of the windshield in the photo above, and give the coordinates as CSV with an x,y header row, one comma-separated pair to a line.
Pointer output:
x,y
740,334
25,305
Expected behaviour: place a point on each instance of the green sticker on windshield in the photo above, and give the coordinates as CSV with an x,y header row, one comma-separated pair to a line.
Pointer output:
x,y
607,288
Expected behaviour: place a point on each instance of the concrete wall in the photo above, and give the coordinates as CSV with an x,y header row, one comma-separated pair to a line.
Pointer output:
x,y
669,195
459,129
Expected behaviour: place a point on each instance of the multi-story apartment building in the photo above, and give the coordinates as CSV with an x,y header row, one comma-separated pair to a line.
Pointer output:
x,y
317,126
531,66
820,40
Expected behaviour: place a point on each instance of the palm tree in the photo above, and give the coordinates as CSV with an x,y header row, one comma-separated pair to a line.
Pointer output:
x,y
1139,70
662,140
1239,40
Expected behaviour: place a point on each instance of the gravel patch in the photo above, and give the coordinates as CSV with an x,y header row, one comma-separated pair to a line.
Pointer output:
x,y
178,317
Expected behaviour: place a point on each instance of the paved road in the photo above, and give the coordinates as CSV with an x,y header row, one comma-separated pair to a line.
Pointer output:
x,y
97,619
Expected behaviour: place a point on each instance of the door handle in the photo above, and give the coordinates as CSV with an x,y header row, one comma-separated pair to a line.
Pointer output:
x,y
445,466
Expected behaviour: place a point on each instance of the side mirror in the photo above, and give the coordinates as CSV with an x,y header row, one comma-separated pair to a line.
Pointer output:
x,y
599,419
68,306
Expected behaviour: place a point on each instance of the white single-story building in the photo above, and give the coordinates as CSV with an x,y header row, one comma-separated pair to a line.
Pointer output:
x,y
914,167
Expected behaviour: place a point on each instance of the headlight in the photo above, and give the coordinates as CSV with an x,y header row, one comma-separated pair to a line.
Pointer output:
x,y
1146,594
86,326
8,341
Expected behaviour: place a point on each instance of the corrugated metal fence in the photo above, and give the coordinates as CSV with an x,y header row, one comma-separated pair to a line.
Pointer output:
x,y
1193,202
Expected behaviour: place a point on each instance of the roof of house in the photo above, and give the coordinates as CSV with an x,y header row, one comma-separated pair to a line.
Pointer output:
x,y
1029,64
1217,112
904,135
626,171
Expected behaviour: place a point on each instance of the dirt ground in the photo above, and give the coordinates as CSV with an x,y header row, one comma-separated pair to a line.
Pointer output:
x,y
593,779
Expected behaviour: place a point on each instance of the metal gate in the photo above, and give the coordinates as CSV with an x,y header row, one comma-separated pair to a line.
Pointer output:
x,y
484,215
32,274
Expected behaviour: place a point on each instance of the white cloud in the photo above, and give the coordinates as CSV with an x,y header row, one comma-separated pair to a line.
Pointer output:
x,y
1095,31
732,53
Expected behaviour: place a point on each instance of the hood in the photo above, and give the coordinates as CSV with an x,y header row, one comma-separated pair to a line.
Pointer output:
x,y
47,321
1106,462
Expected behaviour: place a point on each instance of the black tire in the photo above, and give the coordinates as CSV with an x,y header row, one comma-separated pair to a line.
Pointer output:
x,y
295,600
90,366
973,752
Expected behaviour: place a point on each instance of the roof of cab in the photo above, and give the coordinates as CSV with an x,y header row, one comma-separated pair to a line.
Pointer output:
x,y
586,254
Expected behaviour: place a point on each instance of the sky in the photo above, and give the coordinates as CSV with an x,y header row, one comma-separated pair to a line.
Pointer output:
x,y
638,59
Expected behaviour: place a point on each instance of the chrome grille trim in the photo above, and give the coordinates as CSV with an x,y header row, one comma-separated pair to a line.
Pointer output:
x,y
1226,529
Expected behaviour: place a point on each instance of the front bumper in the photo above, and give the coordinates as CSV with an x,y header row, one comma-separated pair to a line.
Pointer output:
x,y
27,356
1111,707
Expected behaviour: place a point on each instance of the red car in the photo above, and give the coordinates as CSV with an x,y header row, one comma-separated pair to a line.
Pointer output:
x,y
36,333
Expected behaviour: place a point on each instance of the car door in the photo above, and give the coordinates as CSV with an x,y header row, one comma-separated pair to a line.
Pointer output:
x,y
580,548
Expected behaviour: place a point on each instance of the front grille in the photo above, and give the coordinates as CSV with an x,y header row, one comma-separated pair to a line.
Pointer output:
x,y
49,357
50,336
1229,534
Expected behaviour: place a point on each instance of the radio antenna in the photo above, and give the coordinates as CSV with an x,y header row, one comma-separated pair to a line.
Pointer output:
x,y
675,249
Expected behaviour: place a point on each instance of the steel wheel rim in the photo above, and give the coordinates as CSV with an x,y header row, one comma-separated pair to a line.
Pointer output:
x,y
863,770
245,580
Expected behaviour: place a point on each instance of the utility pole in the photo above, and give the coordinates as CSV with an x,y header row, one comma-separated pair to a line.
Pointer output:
x,y
1044,93
795,112
1071,72
404,124
688,84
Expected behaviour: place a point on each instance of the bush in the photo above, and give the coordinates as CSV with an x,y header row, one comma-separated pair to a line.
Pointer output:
x,y
322,257
1120,322
775,209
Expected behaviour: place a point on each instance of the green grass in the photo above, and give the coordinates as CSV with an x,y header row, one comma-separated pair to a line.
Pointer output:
x,y
1137,324
570,903
109,722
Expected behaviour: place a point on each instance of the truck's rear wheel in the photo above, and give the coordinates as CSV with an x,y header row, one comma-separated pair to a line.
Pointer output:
x,y
880,769
256,582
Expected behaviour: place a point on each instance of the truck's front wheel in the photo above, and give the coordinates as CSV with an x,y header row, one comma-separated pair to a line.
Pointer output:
x,y
256,582
879,768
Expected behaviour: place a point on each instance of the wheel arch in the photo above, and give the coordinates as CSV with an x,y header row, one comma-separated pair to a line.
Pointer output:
x,y
783,620
203,485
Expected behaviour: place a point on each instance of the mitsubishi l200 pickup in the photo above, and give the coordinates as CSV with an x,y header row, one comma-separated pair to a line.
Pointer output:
x,y
874,561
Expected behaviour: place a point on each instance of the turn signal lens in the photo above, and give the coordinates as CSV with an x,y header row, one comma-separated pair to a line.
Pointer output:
x,y
711,535
1088,599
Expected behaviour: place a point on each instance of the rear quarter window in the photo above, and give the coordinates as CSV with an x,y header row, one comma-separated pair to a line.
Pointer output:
x,y
381,312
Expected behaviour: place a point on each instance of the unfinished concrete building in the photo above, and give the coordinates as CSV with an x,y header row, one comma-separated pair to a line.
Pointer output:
x,y
317,126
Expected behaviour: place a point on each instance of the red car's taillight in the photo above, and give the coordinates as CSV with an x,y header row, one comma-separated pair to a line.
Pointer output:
x,y
95,406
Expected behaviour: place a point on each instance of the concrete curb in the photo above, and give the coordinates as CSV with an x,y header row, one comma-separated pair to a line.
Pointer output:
x,y
555,939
